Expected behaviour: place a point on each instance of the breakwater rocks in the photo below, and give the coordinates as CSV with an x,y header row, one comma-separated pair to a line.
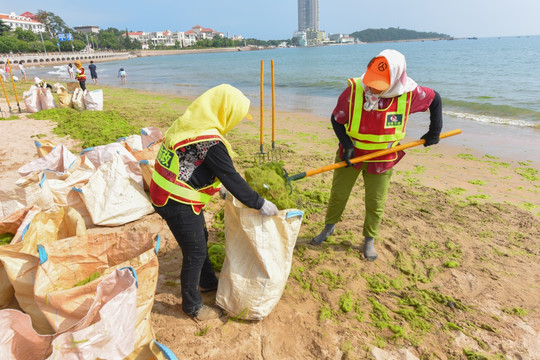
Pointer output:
x,y
41,59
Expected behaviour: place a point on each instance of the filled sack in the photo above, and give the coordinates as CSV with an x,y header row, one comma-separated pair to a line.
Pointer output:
x,y
78,101
93,100
31,99
46,99
258,259
65,98
71,269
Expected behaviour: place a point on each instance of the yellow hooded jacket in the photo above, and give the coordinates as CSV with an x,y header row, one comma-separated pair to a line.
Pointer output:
x,y
209,117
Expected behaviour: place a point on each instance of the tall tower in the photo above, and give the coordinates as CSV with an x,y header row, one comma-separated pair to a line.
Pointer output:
x,y
308,15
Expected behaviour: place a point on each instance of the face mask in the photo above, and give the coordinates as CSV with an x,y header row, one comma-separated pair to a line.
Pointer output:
x,y
372,100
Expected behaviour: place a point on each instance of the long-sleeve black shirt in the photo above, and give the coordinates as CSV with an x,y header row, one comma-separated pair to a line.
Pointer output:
x,y
218,163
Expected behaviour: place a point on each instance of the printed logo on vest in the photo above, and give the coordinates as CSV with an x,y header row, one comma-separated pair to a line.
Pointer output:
x,y
164,157
394,120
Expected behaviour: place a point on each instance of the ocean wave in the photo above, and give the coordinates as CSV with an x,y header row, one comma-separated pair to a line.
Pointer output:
x,y
493,119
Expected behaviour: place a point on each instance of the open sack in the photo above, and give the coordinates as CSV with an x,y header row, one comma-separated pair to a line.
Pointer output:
x,y
258,259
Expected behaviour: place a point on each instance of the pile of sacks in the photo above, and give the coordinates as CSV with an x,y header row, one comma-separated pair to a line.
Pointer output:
x,y
39,98
83,296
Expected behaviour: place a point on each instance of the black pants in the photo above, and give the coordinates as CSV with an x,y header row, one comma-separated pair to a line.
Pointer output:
x,y
190,232
82,84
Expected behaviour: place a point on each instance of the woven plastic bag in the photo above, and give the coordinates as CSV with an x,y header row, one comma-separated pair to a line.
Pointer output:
x,y
112,197
46,99
77,99
102,154
65,98
107,331
31,190
31,99
21,259
71,269
93,100
258,259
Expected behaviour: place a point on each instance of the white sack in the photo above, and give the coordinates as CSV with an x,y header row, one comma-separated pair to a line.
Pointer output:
x,y
58,160
31,100
112,197
78,102
46,99
258,259
150,135
93,100
102,154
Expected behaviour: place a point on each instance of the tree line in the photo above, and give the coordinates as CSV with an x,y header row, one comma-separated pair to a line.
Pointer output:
x,y
24,41
395,34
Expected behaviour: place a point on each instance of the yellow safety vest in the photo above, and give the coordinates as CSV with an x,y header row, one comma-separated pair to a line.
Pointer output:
x,y
165,176
386,131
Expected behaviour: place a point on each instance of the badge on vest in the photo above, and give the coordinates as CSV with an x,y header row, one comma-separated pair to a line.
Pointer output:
x,y
164,157
393,120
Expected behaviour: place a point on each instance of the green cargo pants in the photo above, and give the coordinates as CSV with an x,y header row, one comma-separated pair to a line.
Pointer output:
x,y
376,189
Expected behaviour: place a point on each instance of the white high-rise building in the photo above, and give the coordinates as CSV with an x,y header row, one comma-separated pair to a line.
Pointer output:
x,y
308,15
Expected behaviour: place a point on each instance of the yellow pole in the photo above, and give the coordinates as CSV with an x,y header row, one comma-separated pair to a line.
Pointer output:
x,y
5,93
14,89
273,108
262,102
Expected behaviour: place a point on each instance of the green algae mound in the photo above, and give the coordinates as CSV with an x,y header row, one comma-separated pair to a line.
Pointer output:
x,y
6,238
216,253
268,180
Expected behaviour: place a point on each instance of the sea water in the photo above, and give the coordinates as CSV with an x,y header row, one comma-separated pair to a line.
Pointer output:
x,y
490,86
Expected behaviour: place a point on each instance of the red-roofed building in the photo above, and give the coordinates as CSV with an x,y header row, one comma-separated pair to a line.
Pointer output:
x,y
28,14
23,22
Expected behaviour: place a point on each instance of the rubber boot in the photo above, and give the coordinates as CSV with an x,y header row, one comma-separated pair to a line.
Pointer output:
x,y
369,249
327,231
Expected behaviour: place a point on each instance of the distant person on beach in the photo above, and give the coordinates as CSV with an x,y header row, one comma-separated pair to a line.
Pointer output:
x,y
70,71
3,74
93,72
79,75
122,75
22,70
193,159
371,114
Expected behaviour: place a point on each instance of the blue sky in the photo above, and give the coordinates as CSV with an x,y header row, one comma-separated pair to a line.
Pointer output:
x,y
278,19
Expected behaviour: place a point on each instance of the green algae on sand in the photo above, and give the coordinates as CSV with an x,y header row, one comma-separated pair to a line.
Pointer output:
x,y
6,238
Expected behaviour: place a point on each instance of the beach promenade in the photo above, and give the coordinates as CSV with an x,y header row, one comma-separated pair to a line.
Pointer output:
x,y
51,58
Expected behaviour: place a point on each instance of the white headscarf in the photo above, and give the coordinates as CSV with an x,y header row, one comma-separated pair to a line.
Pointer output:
x,y
399,81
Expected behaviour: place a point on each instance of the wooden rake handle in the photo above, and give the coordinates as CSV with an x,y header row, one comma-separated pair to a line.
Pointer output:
x,y
366,157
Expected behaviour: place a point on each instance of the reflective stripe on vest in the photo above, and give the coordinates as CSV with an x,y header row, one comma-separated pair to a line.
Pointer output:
x,y
396,120
169,162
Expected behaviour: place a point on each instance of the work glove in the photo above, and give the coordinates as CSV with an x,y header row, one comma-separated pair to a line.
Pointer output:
x,y
268,208
223,192
348,154
431,138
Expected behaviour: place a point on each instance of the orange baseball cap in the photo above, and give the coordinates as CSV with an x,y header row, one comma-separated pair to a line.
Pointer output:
x,y
377,74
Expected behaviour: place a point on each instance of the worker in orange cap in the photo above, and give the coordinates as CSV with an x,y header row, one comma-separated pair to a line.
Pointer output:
x,y
371,115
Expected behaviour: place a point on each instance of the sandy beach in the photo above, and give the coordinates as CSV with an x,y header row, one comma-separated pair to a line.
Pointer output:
x,y
446,199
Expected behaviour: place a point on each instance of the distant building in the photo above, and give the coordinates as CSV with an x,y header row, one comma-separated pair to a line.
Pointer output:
x,y
308,23
308,15
341,38
86,29
24,21
201,33
170,38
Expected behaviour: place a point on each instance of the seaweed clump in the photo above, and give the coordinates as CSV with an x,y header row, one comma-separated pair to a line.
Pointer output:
x,y
268,180
6,238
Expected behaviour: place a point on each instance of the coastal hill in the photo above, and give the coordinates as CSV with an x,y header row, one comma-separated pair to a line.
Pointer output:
x,y
395,34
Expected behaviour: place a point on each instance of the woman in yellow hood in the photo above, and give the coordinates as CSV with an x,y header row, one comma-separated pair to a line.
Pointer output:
x,y
194,158
80,75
